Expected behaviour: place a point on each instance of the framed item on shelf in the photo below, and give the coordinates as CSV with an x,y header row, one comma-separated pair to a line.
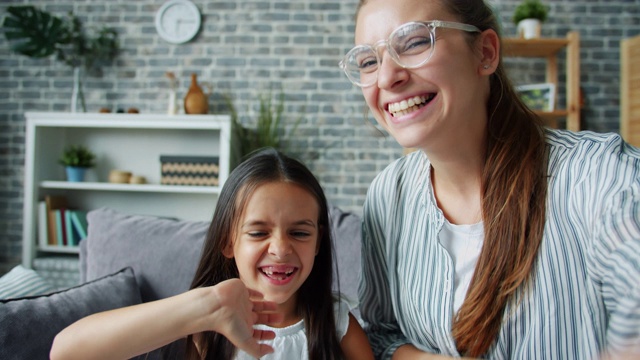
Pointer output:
x,y
539,97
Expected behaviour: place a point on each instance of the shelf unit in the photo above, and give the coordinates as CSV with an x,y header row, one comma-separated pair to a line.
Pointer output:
x,y
131,142
549,48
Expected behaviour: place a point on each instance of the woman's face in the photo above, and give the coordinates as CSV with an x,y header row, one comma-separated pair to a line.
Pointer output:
x,y
451,81
277,241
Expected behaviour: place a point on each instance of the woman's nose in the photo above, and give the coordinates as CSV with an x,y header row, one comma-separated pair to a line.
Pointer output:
x,y
390,74
280,246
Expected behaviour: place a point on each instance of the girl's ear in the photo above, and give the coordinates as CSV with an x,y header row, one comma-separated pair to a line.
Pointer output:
x,y
489,44
228,251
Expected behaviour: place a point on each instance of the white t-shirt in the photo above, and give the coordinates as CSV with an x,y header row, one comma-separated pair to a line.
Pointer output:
x,y
464,243
290,342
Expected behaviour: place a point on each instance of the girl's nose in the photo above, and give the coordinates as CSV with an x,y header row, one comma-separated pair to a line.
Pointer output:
x,y
280,246
390,74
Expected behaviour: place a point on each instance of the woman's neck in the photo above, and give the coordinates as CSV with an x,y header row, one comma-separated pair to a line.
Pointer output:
x,y
457,187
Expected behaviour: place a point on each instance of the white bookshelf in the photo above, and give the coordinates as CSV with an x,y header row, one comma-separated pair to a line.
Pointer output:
x,y
130,142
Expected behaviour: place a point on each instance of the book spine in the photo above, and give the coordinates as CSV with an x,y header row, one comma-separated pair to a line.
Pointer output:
x,y
79,219
43,230
68,228
53,231
59,227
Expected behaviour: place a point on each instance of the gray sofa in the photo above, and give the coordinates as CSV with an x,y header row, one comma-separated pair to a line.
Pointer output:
x,y
129,259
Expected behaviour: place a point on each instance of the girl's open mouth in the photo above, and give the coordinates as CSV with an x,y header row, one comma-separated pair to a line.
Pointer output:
x,y
278,273
409,105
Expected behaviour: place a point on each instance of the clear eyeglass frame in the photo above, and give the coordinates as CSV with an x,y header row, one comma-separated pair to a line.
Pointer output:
x,y
354,71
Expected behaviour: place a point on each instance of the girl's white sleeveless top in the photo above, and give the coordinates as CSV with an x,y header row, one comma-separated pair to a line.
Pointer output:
x,y
290,342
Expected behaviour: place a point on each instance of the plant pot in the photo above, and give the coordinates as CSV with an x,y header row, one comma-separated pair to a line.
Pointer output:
x,y
75,174
529,28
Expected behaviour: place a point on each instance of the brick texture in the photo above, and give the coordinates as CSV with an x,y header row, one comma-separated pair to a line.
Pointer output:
x,y
246,48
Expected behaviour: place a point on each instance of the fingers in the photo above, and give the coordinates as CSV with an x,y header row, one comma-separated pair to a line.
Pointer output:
x,y
269,318
263,335
260,306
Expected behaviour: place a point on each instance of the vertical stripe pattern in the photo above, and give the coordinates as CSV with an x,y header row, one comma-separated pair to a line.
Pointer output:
x,y
584,297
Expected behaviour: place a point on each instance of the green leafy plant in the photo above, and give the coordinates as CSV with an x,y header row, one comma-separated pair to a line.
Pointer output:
x,y
77,156
269,130
530,9
38,34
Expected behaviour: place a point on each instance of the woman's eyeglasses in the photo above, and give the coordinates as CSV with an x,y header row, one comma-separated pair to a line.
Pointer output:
x,y
410,46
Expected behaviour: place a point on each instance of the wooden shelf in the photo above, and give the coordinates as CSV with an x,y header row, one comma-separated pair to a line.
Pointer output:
x,y
549,48
102,186
533,47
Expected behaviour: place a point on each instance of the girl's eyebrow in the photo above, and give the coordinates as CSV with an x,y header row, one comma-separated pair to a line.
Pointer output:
x,y
307,222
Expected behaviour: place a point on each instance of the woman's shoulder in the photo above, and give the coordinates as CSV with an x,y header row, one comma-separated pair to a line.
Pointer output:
x,y
599,149
410,167
584,141
588,160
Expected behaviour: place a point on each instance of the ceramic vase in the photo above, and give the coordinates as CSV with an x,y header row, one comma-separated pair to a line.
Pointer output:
x,y
196,101
77,97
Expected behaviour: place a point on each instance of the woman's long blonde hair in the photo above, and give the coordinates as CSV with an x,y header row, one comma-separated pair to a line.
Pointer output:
x,y
514,191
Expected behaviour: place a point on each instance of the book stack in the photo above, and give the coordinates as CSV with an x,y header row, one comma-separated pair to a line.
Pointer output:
x,y
60,225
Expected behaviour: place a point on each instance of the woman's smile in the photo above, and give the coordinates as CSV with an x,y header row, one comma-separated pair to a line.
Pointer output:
x,y
409,105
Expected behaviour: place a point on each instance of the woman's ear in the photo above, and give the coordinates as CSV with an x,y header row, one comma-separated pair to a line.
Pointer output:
x,y
489,44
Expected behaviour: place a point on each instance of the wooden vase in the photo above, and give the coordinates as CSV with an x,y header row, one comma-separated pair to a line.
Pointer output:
x,y
196,101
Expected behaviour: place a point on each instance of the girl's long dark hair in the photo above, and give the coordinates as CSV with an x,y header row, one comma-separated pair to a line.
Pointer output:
x,y
315,299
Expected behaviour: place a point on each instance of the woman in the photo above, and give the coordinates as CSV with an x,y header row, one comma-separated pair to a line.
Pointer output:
x,y
499,238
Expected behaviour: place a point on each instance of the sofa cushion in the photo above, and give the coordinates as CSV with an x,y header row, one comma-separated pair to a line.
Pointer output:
x,y
346,227
163,253
20,282
29,324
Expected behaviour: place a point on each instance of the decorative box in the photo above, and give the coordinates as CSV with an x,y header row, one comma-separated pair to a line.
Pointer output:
x,y
189,170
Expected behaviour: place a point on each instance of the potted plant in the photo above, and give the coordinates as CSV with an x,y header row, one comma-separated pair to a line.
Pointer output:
x,y
528,17
77,159
38,34
269,130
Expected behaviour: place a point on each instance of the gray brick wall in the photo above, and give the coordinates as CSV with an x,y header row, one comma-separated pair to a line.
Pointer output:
x,y
247,47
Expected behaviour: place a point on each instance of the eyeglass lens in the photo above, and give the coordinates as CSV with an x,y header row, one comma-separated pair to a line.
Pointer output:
x,y
410,46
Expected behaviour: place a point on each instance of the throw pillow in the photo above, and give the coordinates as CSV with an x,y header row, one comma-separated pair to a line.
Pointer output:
x,y
30,324
164,253
346,227
21,281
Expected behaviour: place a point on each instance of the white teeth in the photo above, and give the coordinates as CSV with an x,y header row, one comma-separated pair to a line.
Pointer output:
x,y
270,272
406,106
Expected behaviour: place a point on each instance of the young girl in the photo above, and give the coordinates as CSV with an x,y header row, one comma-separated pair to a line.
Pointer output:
x,y
271,230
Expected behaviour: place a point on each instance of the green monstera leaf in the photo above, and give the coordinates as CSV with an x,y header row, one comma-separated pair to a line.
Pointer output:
x,y
33,32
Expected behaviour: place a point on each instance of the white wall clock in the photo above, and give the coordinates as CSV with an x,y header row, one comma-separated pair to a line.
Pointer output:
x,y
178,21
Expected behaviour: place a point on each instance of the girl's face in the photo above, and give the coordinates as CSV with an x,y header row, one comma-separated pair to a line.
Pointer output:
x,y
276,242
451,83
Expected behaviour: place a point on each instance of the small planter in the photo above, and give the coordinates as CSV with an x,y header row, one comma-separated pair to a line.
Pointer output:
x,y
75,173
529,28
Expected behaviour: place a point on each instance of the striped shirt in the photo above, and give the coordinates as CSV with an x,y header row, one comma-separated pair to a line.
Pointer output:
x,y
584,296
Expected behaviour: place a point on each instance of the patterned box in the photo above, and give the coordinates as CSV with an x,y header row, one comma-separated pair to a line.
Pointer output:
x,y
189,170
